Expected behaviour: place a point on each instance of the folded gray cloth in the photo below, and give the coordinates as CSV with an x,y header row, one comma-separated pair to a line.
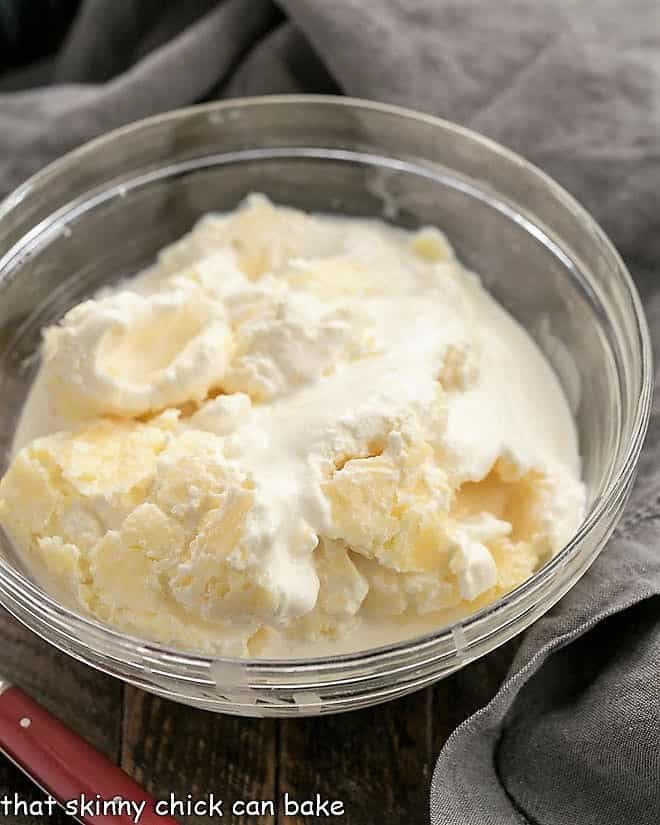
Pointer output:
x,y
573,736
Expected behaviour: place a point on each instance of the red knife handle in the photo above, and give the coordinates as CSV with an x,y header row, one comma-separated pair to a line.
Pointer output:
x,y
64,765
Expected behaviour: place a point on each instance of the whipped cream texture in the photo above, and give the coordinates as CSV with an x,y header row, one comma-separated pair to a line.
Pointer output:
x,y
293,435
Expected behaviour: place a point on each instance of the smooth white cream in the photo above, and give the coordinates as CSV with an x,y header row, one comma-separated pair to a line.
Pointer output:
x,y
293,435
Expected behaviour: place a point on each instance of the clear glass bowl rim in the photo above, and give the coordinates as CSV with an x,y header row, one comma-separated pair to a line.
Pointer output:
x,y
104,640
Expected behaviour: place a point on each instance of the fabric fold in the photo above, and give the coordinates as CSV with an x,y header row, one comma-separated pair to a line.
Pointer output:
x,y
573,736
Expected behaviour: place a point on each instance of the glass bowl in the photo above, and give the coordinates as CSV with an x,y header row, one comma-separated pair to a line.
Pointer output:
x,y
103,211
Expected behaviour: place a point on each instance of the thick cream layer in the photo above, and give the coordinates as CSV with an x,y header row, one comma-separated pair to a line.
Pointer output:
x,y
293,435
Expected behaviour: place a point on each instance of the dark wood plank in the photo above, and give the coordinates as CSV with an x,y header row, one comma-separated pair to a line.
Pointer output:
x,y
377,761
463,693
171,748
88,701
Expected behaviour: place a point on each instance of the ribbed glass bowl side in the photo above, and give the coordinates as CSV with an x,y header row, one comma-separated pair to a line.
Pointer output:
x,y
101,212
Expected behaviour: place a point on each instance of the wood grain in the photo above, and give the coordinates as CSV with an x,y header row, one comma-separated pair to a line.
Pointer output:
x,y
463,693
88,701
377,761
172,748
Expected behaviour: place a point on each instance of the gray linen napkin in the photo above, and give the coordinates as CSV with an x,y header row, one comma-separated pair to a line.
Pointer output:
x,y
573,736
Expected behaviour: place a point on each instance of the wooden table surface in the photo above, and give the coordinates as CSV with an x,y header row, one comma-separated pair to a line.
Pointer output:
x,y
377,761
